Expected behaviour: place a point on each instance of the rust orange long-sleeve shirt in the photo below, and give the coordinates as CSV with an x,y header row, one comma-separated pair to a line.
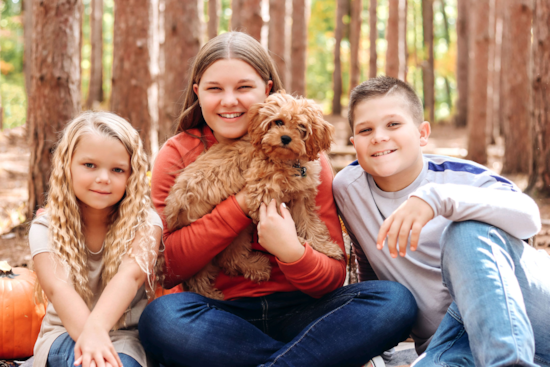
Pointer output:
x,y
190,248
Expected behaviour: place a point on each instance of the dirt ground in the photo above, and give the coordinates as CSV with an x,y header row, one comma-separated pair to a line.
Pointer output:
x,y
14,162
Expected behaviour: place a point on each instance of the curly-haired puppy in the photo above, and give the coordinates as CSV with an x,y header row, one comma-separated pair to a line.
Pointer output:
x,y
278,159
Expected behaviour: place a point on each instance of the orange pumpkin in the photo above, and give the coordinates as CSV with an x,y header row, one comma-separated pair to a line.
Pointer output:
x,y
20,317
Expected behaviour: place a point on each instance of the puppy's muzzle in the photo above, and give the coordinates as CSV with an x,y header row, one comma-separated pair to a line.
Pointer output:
x,y
285,139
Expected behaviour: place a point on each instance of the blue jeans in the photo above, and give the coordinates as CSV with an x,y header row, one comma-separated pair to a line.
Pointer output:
x,y
62,354
500,315
344,328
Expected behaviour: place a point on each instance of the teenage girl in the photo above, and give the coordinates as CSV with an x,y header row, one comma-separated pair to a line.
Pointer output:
x,y
301,316
95,246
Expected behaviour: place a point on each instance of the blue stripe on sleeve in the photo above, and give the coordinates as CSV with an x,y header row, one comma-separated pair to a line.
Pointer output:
x,y
464,167
354,163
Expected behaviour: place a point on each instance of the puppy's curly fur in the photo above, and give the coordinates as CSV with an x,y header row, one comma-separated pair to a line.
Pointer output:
x,y
278,159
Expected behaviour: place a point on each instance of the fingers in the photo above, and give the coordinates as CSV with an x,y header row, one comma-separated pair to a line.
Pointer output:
x,y
263,212
110,358
284,211
77,360
404,232
99,359
383,232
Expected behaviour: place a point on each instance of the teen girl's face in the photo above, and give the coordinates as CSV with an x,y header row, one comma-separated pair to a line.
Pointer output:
x,y
100,169
227,89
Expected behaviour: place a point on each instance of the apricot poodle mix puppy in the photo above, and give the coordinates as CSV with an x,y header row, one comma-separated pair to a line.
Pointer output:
x,y
278,159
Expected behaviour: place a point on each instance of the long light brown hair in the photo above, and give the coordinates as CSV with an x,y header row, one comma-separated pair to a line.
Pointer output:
x,y
230,45
129,216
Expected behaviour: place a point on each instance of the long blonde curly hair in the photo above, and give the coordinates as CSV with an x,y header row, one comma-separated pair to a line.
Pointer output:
x,y
129,216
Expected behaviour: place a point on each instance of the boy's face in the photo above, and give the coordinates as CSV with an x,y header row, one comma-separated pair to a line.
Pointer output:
x,y
388,142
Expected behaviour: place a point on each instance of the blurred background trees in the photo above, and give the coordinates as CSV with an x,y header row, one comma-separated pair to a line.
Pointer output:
x,y
482,64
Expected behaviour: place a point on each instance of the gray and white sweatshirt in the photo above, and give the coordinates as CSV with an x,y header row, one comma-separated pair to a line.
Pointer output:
x,y
457,190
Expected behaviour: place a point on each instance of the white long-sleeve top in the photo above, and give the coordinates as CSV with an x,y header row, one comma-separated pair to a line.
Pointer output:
x,y
457,190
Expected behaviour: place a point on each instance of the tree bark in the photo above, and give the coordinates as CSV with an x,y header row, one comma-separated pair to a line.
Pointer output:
x,y
392,37
540,175
251,18
95,92
213,17
131,76
341,8
276,40
55,87
27,55
479,61
496,113
403,48
517,87
462,62
355,42
182,41
236,8
373,36
298,48
428,64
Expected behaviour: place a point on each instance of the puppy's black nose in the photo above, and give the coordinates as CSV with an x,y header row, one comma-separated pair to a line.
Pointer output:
x,y
285,139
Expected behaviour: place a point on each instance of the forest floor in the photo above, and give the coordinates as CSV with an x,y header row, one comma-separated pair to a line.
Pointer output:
x,y
15,155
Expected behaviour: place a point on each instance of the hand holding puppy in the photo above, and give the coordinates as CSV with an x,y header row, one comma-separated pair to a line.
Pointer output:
x,y
277,233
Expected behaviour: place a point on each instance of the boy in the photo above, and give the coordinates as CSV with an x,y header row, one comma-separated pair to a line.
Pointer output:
x,y
484,290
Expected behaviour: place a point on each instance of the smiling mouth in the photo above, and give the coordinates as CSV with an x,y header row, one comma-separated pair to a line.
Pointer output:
x,y
231,115
385,152
100,192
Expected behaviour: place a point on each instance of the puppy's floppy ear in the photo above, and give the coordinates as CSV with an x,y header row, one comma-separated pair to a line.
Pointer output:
x,y
256,127
322,132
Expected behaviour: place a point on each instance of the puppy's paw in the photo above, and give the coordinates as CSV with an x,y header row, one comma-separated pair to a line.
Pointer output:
x,y
257,268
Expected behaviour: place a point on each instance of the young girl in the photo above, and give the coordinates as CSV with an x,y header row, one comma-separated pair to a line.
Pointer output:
x,y
300,316
95,246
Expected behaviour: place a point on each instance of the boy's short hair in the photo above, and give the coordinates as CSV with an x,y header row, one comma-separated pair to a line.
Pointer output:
x,y
382,86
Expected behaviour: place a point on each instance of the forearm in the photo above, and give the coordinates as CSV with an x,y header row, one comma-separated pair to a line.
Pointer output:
x,y
70,307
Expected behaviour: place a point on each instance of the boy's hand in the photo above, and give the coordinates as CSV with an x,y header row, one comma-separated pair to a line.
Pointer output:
x,y
412,215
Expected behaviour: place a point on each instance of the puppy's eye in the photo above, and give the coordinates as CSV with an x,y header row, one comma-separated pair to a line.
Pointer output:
x,y
279,122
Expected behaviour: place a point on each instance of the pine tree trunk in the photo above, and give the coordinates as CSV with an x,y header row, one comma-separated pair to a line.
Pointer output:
x,y
479,61
55,87
213,17
373,36
337,73
428,64
251,18
355,42
517,87
236,9
182,42
298,48
540,176
403,48
131,76
95,92
491,75
392,37
497,78
27,55
276,40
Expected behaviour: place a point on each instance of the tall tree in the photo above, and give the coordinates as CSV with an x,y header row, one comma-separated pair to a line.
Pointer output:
x,y
27,53
355,42
276,40
392,37
496,85
251,18
447,37
540,174
373,36
428,64
341,10
462,62
95,92
516,78
477,102
236,8
1,108
55,86
213,17
131,75
403,48
298,47
182,40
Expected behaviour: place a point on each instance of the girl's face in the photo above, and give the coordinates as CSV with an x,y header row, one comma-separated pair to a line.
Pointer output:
x,y
100,169
227,89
